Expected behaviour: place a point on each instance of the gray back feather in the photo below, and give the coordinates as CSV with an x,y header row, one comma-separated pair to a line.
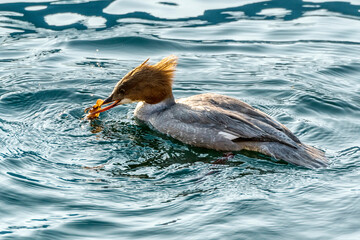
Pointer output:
x,y
229,115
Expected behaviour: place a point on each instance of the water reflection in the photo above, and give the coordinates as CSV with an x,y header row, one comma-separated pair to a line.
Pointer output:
x,y
105,14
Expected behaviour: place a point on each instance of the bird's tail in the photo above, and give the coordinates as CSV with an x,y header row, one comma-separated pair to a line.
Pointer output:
x,y
304,155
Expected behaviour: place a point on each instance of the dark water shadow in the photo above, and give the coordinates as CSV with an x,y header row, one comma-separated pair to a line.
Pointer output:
x,y
296,9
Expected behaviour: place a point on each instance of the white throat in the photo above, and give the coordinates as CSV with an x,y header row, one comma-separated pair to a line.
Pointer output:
x,y
144,111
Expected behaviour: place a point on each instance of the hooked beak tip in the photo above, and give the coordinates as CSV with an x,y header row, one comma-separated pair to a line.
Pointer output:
x,y
108,100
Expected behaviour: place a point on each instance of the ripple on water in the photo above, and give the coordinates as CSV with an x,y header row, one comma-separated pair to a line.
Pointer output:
x,y
299,63
325,105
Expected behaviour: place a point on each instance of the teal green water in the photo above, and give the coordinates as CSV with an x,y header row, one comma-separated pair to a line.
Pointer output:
x,y
298,61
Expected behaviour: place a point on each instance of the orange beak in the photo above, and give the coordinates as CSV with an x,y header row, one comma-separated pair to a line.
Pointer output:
x,y
114,104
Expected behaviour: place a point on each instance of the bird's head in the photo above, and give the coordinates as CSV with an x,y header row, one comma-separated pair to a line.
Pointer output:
x,y
147,83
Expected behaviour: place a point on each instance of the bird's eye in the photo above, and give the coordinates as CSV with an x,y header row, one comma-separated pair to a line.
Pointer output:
x,y
122,91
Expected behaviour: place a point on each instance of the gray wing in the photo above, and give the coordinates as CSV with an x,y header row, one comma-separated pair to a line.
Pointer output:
x,y
235,119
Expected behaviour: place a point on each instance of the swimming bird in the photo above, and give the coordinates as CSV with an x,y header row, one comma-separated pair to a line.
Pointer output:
x,y
207,120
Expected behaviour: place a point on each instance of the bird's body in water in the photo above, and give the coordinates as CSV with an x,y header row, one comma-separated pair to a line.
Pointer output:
x,y
208,120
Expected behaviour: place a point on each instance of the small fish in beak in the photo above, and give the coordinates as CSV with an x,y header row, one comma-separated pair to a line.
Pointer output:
x,y
94,111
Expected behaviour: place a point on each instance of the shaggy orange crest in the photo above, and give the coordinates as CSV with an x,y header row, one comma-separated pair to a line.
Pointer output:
x,y
148,83
166,65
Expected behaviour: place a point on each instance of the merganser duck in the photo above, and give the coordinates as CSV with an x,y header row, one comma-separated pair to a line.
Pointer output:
x,y
207,120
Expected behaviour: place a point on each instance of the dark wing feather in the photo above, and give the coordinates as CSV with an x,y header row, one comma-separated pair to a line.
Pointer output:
x,y
232,116
236,105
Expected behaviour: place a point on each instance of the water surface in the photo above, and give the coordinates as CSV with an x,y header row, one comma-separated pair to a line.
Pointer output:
x,y
296,60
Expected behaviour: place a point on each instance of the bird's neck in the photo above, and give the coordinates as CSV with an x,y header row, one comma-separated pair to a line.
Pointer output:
x,y
144,111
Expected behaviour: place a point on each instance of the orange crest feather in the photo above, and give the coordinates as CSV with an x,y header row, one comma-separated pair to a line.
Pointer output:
x,y
149,83
167,64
